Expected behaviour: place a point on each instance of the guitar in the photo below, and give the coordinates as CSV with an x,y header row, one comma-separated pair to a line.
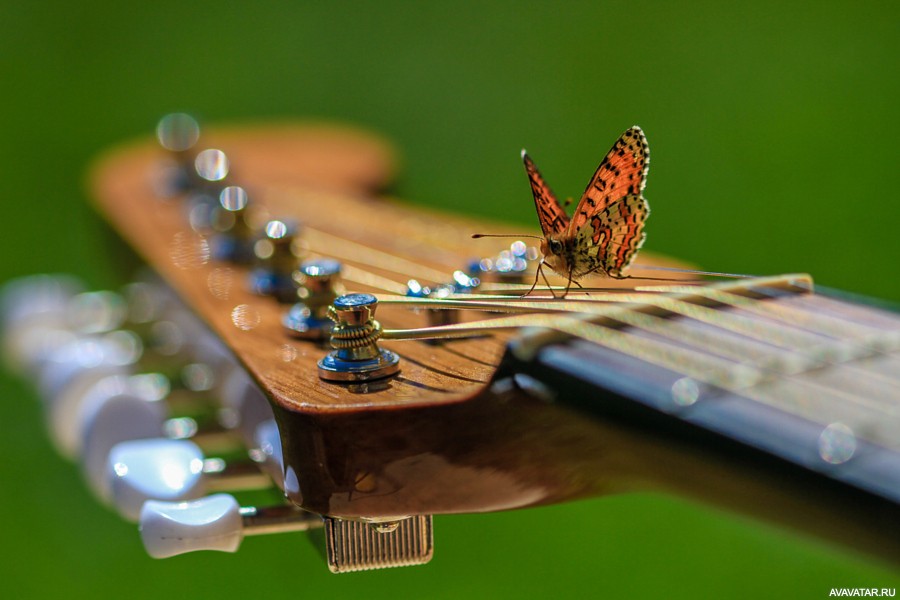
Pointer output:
x,y
759,395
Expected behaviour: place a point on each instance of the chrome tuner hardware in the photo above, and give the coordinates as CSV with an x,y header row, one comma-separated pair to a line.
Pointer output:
x,y
233,241
354,337
178,133
360,546
277,253
320,285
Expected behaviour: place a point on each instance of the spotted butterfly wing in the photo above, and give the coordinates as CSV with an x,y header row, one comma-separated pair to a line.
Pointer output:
x,y
611,239
608,223
550,212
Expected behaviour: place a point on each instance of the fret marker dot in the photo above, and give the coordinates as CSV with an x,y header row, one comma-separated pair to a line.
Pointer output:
x,y
685,392
837,444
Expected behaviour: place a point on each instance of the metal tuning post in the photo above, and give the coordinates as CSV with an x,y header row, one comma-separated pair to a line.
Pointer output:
x,y
233,241
356,355
320,285
277,253
360,546
178,133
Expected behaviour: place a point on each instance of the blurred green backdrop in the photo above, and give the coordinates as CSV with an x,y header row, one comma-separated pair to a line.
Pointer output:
x,y
772,126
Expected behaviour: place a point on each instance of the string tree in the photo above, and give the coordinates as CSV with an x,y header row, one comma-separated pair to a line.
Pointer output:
x,y
319,282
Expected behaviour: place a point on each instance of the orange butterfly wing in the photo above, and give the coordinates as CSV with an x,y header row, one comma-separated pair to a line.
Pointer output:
x,y
621,173
550,212
611,239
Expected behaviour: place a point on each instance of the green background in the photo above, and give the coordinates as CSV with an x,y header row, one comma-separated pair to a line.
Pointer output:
x,y
772,126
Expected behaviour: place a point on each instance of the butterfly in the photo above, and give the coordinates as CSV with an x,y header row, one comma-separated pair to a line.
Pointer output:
x,y
607,228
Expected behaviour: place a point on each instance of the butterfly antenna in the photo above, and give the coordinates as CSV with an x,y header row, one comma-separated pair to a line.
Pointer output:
x,y
694,272
505,235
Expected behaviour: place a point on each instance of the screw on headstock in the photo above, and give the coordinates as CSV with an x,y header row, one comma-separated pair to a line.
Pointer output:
x,y
320,285
277,253
354,337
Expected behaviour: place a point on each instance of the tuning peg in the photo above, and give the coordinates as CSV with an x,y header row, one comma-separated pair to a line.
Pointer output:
x,y
178,133
33,311
110,416
320,285
71,366
172,471
248,407
216,522
277,253
231,219
268,443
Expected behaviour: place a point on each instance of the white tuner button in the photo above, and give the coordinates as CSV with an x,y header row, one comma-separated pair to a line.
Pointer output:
x,y
154,469
33,312
268,441
242,397
109,420
213,523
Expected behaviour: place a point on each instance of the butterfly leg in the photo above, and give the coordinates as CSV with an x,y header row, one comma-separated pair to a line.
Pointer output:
x,y
568,285
547,281
537,275
581,287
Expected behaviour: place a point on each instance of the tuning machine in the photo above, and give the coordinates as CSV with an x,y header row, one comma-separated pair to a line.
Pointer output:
x,y
219,523
320,285
277,252
354,337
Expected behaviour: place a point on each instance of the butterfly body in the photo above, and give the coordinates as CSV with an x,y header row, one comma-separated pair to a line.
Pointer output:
x,y
606,230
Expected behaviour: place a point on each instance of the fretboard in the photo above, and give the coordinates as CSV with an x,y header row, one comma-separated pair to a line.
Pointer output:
x,y
764,397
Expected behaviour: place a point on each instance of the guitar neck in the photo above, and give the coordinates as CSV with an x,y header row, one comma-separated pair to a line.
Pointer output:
x,y
810,444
